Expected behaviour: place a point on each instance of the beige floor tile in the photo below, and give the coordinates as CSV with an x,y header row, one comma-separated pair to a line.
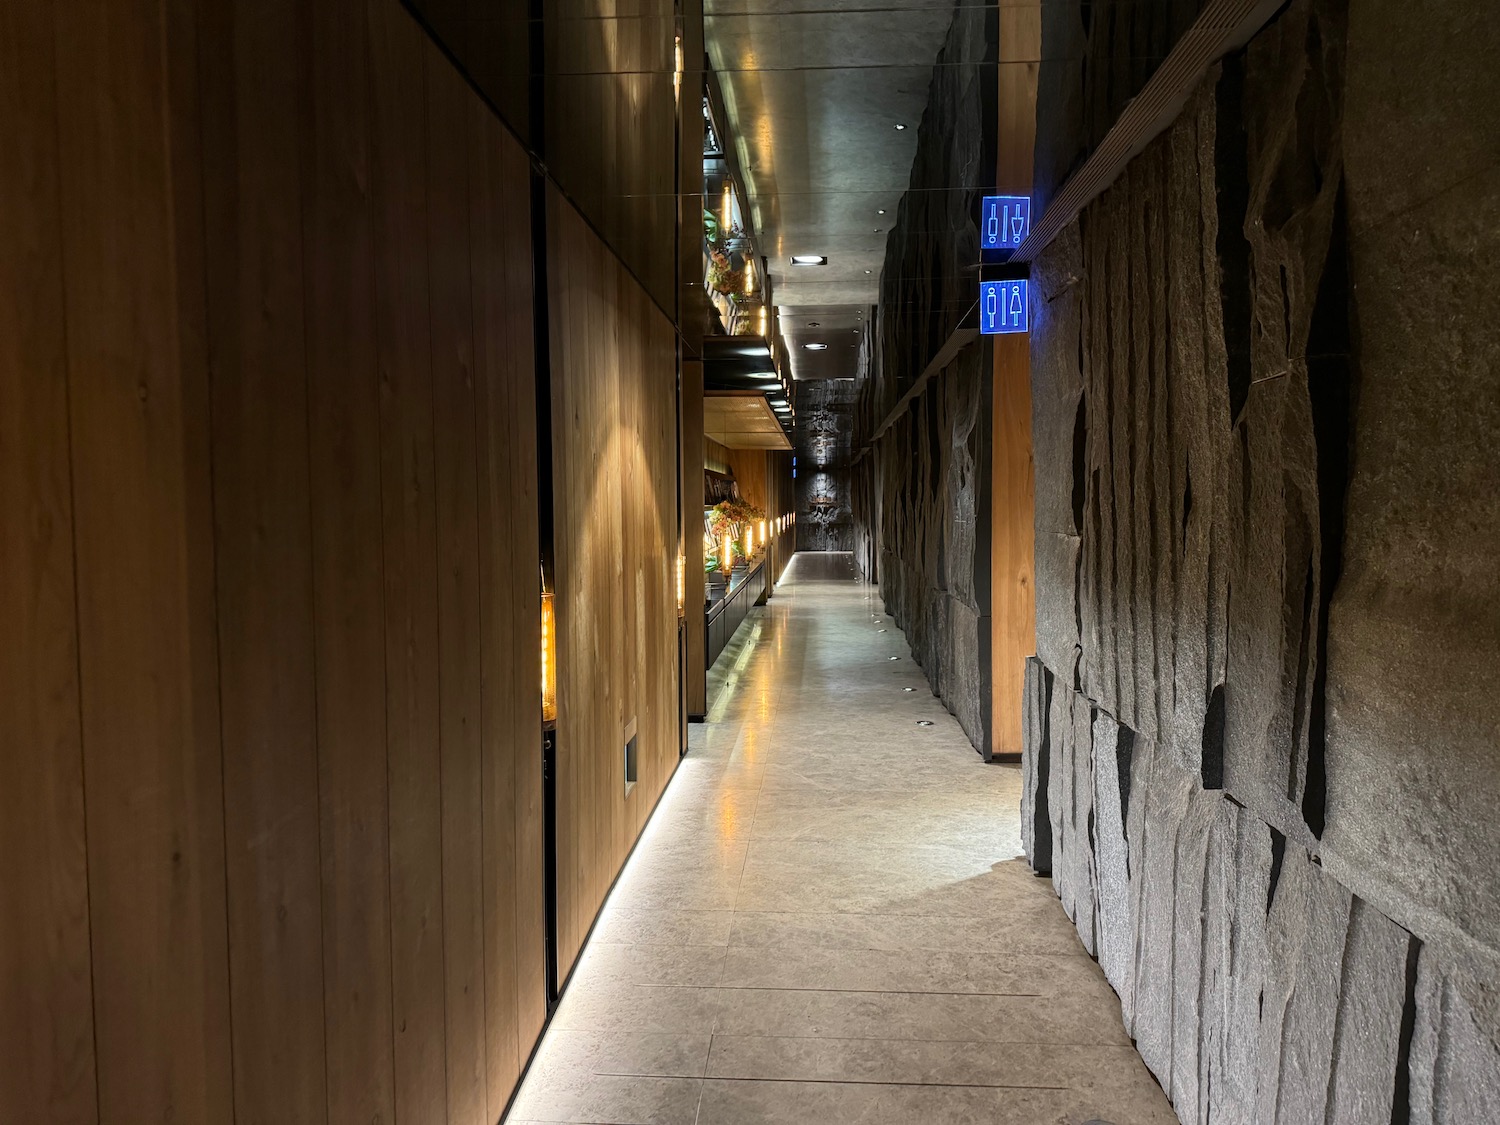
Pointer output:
x,y
828,921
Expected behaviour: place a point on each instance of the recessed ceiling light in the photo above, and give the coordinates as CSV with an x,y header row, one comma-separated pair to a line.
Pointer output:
x,y
877,230
809,259
816,347
881,211
900,127
867,271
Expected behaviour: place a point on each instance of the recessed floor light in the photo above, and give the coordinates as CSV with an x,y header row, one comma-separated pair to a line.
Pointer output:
x,y
881,211
908,689
816,347
899,128
867,271
924,722
894,658
809,259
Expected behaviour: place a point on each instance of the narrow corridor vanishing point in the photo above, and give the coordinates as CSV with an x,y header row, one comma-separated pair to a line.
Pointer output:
x,y
829,918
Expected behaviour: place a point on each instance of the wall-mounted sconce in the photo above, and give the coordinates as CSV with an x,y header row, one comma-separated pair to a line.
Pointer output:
x,y
728,564
549,656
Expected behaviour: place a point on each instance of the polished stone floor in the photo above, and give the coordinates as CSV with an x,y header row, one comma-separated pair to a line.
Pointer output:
x,y
829,919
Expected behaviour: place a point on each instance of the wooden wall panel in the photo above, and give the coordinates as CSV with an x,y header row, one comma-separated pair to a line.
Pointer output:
x,y
131,215
456,476
691,446
614,480
256,297
1012,542
269,748
1012,495
409,516
514,340
47,1070
749,468
348,570
500,744
610,66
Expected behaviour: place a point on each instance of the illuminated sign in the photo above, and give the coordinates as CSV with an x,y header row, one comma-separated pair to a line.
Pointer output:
x,y
1004,221
1002,307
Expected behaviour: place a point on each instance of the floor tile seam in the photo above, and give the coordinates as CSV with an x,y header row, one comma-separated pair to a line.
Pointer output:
x,y
827,991
1125,1050
906,1085
949,993
708,1054
706,1078
867,914
1081,957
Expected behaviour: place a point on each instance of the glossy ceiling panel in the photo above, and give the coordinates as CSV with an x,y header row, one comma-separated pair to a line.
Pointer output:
x,y
815,91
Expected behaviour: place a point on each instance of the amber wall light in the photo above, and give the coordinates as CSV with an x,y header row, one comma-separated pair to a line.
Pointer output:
x,y
549,657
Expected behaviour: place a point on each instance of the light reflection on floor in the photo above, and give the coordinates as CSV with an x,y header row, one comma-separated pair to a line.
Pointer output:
x,y
826,919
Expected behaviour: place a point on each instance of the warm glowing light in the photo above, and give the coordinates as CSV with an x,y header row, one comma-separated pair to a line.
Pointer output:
x,y
549,660
728,220
677,75
762,533
728,563
681,581
750,279
765,321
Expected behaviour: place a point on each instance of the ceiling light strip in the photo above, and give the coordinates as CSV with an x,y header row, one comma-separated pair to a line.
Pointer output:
x,y
1222,27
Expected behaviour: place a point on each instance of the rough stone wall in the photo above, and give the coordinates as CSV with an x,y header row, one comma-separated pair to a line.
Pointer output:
x,y
823,437
929,465
921,491
1260,755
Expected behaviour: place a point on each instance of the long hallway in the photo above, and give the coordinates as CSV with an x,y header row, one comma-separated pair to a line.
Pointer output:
x,y
830,919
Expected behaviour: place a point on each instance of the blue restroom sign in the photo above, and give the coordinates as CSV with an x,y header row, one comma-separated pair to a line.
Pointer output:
x,y
1002,307
1004,221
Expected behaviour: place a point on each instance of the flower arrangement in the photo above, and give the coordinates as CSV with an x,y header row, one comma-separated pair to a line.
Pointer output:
x,y
733,519
722,276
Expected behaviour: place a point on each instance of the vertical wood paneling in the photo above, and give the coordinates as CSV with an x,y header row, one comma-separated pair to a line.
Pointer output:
x,y
524,636
255,292
502,664
1012,542
409,518
46,1016
348,582
690,446
1012,494
456,424
614,480
132,256
610,65
270,777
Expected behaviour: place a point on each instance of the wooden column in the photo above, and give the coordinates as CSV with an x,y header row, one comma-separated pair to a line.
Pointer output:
x,y
1013,511
695,670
